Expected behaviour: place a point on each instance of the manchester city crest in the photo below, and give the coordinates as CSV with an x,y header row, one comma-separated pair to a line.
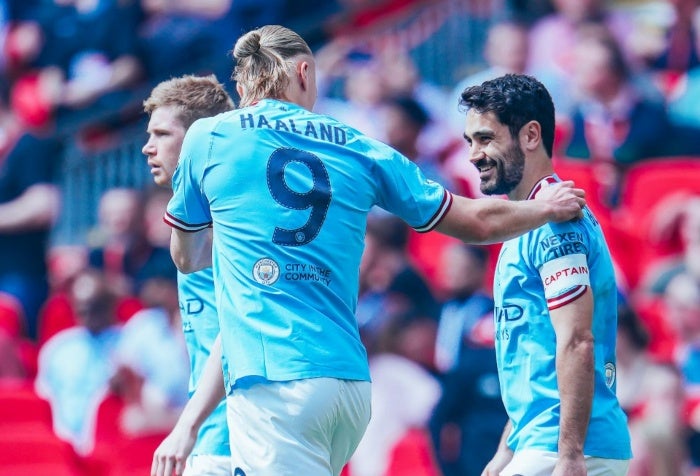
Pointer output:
x,y
266,271
609,374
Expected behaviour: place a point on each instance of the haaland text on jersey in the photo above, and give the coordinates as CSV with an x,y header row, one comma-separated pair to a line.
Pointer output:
x,y
325,132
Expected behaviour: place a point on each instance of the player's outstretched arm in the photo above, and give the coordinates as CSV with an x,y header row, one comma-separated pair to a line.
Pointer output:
x,y
490,220
171,455
191,251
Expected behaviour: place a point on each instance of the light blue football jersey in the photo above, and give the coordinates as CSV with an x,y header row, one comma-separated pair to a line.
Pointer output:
x,y
200,324
536,272
288,192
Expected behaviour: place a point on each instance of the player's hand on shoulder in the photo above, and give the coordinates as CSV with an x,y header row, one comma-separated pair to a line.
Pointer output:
x,y
565,200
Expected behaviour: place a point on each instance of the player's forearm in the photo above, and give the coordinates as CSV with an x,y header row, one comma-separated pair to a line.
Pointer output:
x,y
575,378
191,251
491,220
503,442
37,208
209,393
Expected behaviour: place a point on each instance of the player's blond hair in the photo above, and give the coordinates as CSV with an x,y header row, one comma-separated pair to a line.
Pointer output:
x,y
264,61
195,97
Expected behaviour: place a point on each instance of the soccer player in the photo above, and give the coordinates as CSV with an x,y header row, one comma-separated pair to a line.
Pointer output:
x,y
173,106
555,296
288,192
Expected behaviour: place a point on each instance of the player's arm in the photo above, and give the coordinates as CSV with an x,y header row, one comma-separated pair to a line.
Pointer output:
x,y
191,250
170,456
575,379
35,209
490,220
503,454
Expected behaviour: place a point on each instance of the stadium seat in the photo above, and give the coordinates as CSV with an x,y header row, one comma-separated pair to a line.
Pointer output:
x,y
11,316
644,186
108,438
56,315
25,448
20,404
647,182
413,455
140,450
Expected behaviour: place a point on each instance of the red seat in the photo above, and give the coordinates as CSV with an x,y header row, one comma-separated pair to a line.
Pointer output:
x,y
56,315
140,450
27,447
20,404
413,455
108,438
645,185
11,316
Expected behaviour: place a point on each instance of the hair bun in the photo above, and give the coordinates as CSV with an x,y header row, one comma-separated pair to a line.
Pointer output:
x,y
248,45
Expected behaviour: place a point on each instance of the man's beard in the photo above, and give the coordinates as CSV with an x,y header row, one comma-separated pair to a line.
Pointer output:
x,y
509,172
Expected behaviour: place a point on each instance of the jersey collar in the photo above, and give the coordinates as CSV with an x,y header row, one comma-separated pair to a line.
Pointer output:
x,y
538,186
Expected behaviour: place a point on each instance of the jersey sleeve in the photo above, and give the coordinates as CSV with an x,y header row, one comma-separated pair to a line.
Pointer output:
x,y
561,253
188,209
407,193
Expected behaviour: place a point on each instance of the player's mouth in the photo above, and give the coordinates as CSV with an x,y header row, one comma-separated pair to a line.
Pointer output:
x,y
486,169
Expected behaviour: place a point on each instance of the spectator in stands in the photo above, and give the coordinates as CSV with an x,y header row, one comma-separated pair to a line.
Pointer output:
x,y
614,122
681,212
88,59
682,302
404,120
468,420
402,78
506,51
363,90
75,365
389,282
651,394
152,364
554,36
673,48
682,101
120,242
464,280
404,391
179,37
28,209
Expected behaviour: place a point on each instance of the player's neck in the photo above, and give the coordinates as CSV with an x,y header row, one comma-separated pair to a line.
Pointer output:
x,y
533,174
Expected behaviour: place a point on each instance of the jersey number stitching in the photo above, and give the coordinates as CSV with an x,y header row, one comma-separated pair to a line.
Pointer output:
x,y
318,198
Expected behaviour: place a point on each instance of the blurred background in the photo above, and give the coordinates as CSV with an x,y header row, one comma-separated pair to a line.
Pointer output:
x,y
92,360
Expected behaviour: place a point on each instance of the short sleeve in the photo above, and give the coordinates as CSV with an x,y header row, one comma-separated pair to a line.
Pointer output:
x,y
407,193
188,209
560,253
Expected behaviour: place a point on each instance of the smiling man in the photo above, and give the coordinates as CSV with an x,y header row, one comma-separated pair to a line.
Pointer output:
x,y
555,296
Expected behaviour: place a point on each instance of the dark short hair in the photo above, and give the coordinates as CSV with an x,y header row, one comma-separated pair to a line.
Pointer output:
x,y
515,100
410,108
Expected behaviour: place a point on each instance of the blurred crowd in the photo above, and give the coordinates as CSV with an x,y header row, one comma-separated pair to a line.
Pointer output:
x,y
98,322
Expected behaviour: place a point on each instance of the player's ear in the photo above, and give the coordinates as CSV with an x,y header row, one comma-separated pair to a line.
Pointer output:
x,y
303,74
239,89
531,135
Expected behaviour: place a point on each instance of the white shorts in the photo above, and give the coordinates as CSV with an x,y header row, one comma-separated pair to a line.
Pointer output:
x,y
541,463
309,426
208,465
